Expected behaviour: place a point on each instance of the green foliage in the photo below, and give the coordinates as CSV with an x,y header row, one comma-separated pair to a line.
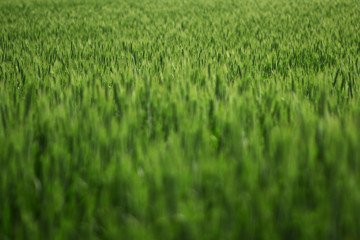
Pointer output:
x,y
173,119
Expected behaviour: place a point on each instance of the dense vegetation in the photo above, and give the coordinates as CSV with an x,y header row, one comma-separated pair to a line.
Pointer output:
x,y
175,119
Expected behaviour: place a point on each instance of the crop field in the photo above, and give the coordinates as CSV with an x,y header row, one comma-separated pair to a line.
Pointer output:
x,y
179,119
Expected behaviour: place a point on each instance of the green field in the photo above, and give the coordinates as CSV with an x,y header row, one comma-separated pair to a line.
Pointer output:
x,y
177,119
